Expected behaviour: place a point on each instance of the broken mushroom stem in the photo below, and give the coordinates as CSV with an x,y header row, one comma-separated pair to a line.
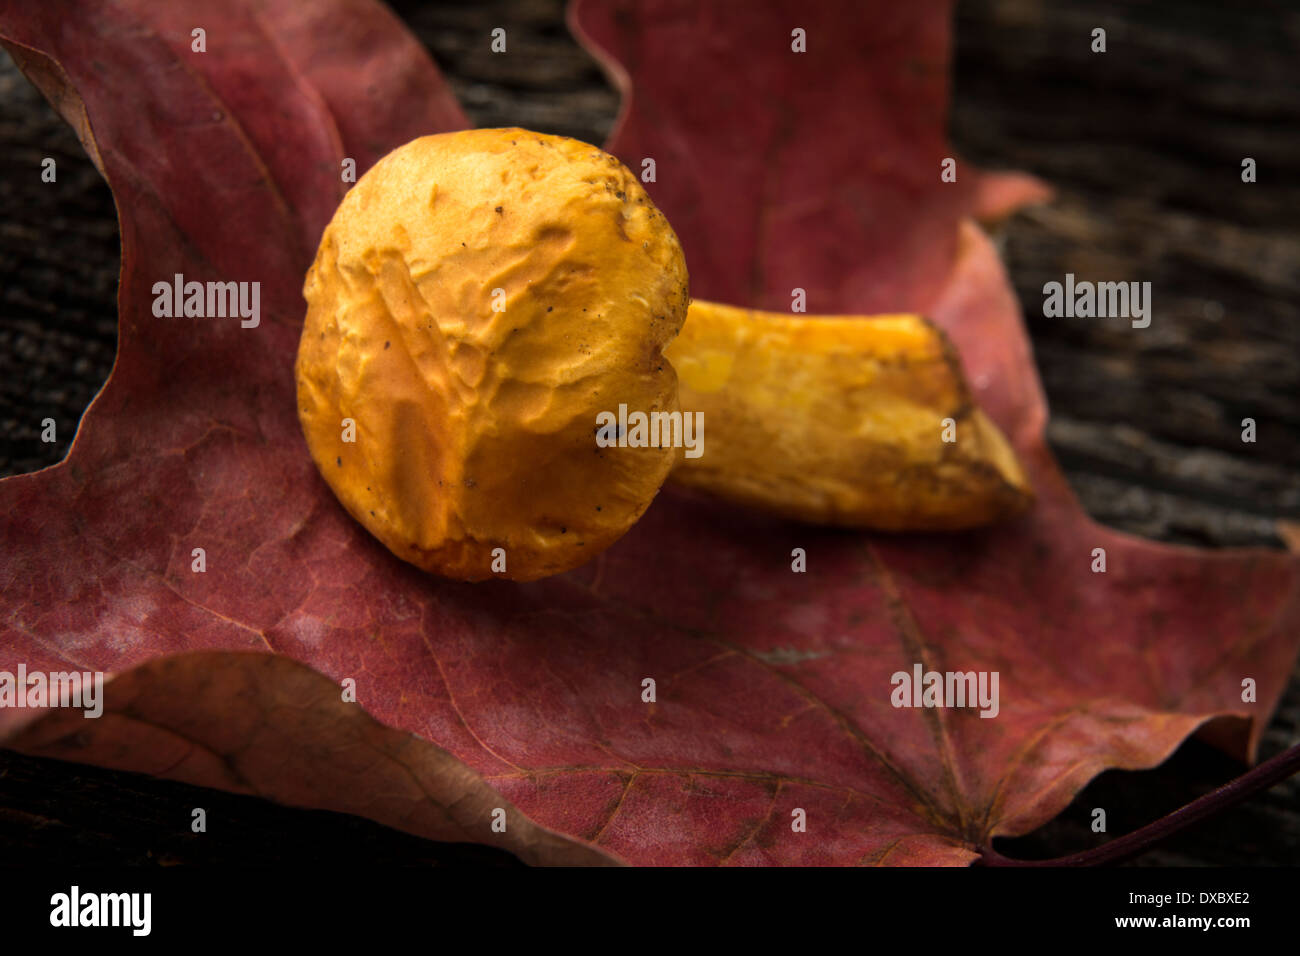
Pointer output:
x,y
857,421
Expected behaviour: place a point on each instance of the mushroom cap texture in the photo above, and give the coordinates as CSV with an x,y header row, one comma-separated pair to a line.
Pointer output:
x,y
477,299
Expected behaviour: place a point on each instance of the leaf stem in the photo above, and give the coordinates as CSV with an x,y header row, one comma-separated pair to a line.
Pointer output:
x,y
1260,778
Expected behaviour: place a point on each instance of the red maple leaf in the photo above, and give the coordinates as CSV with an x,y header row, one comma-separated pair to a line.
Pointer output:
x,y
773,689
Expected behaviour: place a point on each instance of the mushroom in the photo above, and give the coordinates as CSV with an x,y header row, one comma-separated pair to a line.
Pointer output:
x,y
478,300
486,373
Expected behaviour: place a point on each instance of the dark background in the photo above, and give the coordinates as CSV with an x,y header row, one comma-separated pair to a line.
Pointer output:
x,y
1144,144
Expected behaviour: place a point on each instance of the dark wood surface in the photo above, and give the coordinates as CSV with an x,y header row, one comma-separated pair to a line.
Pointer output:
x,y
1144,144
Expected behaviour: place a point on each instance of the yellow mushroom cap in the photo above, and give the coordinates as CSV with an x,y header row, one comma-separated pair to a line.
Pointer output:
x,y
477,300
